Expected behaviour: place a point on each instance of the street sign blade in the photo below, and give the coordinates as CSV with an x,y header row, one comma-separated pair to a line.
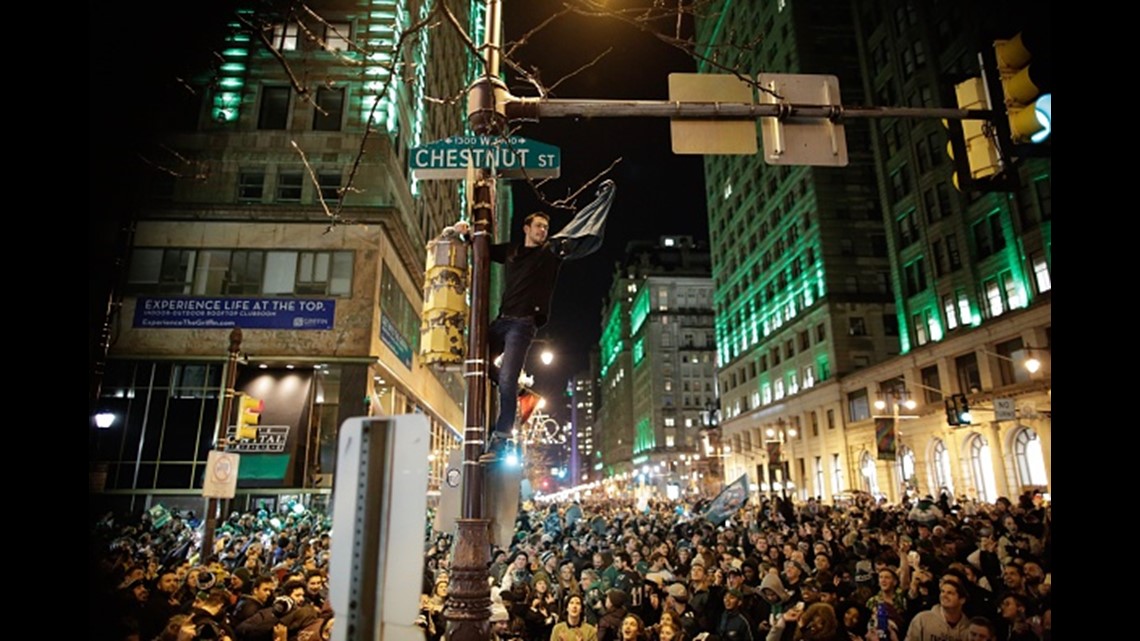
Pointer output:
x,y
507,156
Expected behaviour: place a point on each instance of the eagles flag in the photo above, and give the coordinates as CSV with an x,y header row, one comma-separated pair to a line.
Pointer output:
x,y
730,499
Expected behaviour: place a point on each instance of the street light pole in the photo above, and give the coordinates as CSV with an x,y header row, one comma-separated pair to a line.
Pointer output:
x,y
468,606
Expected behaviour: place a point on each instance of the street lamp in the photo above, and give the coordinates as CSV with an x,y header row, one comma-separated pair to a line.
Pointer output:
x,y
774,438
104,420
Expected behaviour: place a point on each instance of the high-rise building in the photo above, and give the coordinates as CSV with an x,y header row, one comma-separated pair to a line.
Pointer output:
x,y
825,277
583,395
657,364
284,206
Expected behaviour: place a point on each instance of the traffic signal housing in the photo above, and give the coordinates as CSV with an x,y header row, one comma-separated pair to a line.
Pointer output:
x,y
958,410
979,159
249,415
1024,66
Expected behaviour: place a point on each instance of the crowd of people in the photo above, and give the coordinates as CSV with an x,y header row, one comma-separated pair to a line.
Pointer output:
x,y
774,570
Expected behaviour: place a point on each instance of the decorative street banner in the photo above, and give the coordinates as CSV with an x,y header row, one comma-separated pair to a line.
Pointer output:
x,y
885,438
730,499
247,313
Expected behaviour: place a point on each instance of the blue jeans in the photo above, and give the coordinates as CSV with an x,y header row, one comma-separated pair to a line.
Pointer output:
x,y
510,336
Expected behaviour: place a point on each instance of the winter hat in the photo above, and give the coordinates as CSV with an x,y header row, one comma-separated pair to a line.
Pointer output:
x,y
245,575
499,613
864,571
678,592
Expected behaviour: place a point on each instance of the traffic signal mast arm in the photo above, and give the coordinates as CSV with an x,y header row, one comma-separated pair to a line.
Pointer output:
x,y
532,109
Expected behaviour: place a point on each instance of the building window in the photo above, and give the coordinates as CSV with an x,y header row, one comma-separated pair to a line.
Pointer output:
x,y
1041,273
981,468
837,474
337,35
965,315
920,335
778,388
856,326
949,309
274,112
285,36
820,333
870,476
952,253
1029,458
670,421
251,185
907,229
915,277
940,468
1044,190
931,382
906,467
830,419
329,182
858,405
213,272
329,110
818,476
289,185
814,423
890,325
969,378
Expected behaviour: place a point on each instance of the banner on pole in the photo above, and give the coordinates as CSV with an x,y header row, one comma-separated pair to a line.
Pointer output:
x,y
886,439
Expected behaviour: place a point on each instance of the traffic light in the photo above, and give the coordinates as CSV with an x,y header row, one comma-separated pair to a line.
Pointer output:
x,y
958,410
1027,88
951,410
982,158
249,415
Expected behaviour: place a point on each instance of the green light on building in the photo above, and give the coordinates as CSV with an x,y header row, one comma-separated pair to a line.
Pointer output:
x,y
640,310
234,52
638,351
233,67
644,439
611,339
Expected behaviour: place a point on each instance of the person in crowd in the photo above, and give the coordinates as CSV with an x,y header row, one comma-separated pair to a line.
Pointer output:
x,y
632,628
257,599
733,625
573,626
946,621
609,626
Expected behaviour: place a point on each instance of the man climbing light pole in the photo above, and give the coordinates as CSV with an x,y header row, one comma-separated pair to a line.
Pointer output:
x,y
531,273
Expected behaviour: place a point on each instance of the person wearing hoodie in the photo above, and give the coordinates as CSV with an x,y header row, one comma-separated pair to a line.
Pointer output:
x,y
946,621
773,591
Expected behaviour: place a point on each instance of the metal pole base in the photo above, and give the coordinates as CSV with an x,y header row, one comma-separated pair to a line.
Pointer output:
x,y
468,607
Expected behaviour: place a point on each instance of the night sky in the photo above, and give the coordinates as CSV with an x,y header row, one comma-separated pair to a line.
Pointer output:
x,y
658,193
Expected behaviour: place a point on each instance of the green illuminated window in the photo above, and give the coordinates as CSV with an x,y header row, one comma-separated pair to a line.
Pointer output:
x,y
638,351
640,311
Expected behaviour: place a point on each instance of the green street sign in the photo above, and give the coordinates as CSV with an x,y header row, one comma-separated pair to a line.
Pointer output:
x,y
508,157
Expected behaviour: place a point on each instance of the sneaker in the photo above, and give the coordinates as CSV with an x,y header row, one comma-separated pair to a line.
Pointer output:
x,y
497,447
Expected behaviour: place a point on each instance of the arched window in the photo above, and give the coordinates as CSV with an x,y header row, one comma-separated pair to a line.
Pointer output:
x,y
982,469
870,478
906,467
1029,458
940,468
